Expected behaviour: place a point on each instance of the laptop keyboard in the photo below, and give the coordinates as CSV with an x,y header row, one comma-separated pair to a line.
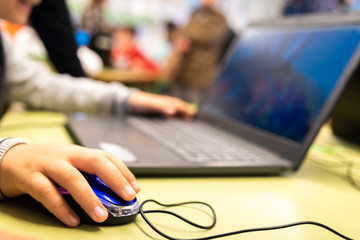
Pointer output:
x,y
195,142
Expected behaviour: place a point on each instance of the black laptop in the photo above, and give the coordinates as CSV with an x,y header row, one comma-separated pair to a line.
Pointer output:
x,y
273,92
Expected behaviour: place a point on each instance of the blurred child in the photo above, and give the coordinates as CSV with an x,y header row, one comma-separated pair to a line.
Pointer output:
x,y
126,55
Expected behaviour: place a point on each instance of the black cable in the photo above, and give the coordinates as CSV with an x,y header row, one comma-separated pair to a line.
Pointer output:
x,y
181,218
143,214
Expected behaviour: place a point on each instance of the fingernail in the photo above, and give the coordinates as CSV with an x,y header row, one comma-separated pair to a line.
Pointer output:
x,y
129,190
99,212
136,185
73,220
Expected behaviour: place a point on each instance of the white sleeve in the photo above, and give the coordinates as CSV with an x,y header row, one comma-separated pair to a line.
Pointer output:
x,y
34,84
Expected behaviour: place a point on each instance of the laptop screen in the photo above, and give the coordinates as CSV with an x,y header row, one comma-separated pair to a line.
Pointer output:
x,y
279,80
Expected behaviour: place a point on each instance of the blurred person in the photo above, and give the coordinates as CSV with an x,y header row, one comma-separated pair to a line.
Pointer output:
x,y
190,69
51,20
126,55
56,35
94,19
95,23
172,31
35,168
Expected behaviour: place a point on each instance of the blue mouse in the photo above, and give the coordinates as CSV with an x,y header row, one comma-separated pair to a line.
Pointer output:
x,y
120,211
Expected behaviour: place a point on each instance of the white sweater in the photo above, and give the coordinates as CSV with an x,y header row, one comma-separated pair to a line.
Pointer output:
x,y
35,85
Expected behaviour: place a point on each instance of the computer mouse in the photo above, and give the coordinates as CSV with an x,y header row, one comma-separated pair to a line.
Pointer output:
x,y
120,211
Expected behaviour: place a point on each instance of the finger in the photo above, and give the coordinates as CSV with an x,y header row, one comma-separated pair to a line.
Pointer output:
x,y
186,109
129,176
44,191
168,106
98,162
117,182
68,177
177,106
111,170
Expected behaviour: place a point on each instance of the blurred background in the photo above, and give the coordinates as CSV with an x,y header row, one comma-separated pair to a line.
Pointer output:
x,y
150,16
169,47
164,46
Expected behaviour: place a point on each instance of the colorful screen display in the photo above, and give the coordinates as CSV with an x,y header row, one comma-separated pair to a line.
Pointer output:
x,y
279,80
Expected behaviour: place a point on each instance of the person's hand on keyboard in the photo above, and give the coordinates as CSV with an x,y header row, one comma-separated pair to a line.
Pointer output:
x,y
145,103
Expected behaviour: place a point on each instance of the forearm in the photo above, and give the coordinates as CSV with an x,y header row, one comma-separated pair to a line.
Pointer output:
x,y
63,93
34,84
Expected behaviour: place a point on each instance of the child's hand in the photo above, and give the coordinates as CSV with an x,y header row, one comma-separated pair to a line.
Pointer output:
x,y
33,169
143,103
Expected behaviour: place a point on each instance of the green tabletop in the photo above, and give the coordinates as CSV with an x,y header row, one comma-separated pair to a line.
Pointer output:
x,y
320,191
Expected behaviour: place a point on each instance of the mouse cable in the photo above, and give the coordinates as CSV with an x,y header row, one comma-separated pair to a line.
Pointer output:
x,y
144,212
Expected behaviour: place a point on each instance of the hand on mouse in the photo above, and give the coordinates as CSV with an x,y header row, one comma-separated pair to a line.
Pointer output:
x,y
33,169
143,103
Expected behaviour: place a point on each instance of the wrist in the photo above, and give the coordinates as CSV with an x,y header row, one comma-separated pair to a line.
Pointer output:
x,y
121,105
5,145
135,102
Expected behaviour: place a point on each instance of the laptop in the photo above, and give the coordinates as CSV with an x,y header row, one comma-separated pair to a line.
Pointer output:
x,y
274,90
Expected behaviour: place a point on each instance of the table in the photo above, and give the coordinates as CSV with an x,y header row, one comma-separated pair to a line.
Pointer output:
x,y
128,76
319,191
146,81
